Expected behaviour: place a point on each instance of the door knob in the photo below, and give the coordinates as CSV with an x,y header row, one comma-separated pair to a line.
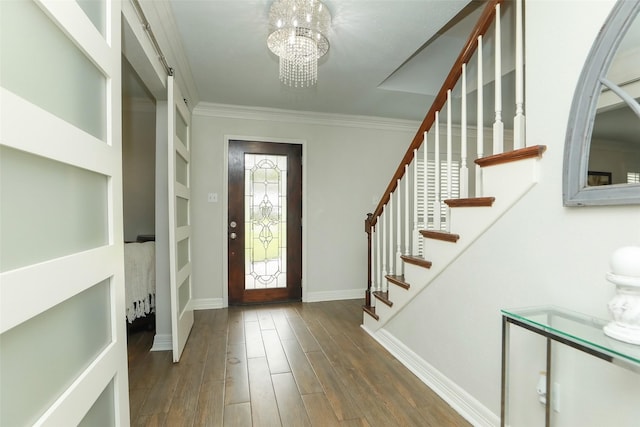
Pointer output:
x,y
233,224
233,236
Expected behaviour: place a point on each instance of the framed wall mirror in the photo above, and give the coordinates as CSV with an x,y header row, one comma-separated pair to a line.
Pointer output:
x,y
602,146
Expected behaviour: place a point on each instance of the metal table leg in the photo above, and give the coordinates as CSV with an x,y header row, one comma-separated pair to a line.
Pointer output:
x,y
504,386
547,406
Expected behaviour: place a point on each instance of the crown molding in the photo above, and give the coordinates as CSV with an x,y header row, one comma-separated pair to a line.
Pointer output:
x,y
241,112
303,117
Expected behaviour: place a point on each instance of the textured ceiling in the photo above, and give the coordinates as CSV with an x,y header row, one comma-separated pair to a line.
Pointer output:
x,y
386,58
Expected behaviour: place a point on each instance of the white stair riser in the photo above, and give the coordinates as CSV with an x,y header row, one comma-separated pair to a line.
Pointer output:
x,y
473,221
438,251
399,295
414,274
370,323
507,179
384,312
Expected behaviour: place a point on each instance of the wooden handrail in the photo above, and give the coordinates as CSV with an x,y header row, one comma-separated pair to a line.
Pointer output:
x,y
467,52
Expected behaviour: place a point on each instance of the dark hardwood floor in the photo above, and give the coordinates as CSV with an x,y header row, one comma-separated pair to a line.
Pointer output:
x,y
279,365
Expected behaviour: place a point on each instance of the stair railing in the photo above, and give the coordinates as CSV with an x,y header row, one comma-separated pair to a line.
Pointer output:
x,y
425,177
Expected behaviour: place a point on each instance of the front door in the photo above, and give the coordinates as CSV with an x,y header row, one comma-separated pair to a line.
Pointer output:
x,y
265,222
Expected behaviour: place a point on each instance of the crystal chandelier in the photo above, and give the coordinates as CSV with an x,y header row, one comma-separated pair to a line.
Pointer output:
x,y
298,37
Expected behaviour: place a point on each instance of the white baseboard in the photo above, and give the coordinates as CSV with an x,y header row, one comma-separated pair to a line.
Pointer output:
x,y
162,342
335,295
215,303
207,303
461,401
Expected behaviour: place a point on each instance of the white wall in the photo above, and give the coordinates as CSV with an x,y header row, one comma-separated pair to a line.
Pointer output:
x,y
138,167
539,253
347,164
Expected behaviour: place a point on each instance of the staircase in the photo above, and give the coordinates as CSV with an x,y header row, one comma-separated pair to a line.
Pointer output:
x,y
433,208
508,177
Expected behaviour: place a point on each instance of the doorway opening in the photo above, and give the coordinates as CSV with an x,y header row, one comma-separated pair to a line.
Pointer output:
x,y
139,200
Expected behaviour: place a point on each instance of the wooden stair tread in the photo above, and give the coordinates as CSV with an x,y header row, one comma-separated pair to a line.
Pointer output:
x,y
398,280
512,156
440,235
471,202
371,311
416,260
383,296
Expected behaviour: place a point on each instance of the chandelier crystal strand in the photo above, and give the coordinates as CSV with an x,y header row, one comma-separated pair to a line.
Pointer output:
x,y
298,38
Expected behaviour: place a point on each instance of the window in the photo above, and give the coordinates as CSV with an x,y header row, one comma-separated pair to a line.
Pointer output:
x,y
431,197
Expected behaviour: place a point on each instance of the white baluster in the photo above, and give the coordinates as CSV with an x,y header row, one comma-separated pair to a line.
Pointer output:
x,y
480,119
398,260
438,201
383,217
379,267
464,170
407,236
449,157
498,126
519,119
425,215
391,269
374,272
416,202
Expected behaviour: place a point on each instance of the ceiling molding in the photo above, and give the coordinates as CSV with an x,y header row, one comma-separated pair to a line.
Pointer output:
x,y
303,117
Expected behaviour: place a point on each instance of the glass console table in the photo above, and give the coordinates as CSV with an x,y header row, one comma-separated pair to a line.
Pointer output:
x,y
576,330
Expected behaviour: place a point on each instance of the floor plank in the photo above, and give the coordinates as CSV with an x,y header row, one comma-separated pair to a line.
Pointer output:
x,y
276,365
306,379
264,408
278,362
253,336
319,410
304,337
343,404
210,405
237,415
285,332
237,379
292,411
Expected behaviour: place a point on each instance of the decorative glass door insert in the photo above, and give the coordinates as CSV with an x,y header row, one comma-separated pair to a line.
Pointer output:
x,y
265,221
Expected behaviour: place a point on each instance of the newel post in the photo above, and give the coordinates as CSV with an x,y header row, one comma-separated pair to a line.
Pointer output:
x,y
367,229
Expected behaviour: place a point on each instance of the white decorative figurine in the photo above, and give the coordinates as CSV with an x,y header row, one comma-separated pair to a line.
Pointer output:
x,y
625,306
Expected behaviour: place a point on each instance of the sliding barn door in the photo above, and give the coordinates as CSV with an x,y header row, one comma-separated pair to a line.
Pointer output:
x,y
179,218
63,354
